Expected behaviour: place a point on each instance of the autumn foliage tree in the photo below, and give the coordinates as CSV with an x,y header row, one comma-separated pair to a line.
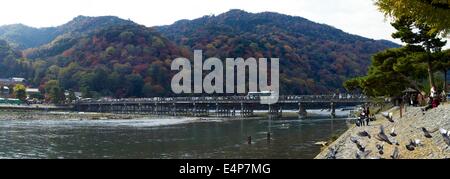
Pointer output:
x,y
20,92
434,13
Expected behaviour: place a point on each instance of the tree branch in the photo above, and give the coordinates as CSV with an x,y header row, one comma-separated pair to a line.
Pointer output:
x,y
438,5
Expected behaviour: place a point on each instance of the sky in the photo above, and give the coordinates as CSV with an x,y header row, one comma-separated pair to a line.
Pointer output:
x,y
358,17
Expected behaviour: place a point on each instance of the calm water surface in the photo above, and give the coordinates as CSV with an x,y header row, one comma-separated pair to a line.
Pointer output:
x,y
165,138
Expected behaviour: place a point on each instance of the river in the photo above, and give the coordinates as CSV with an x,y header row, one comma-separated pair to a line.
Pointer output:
x,y
165,138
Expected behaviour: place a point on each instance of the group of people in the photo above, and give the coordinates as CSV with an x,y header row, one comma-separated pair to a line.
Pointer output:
x,y
364,117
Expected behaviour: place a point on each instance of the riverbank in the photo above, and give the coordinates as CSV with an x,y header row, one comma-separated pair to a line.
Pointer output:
x,y
32,114
43,115
81,116
407,128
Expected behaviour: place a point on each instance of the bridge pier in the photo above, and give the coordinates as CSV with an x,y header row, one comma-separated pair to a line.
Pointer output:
x,y
242,112
174,109
302,114
274,111
246,110
333,110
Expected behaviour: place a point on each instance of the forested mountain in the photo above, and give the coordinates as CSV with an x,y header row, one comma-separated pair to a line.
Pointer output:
x,y
22,37
119,61
314,58
11,63
108,56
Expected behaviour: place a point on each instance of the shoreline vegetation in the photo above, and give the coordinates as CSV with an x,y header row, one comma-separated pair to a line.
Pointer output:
x,y
408,127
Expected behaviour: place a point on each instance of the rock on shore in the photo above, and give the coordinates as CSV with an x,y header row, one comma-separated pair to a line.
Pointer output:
x,y
408,128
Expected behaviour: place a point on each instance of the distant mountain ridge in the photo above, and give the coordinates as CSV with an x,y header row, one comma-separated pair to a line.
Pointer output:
x,y
314,58
236,21
91,54
22,37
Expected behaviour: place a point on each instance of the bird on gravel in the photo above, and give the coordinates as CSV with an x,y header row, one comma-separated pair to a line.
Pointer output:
x,y
411,146
381,136
396,154
426,133
446,135
418,143
393,134
332,153
364,134
395,142
389,117
358,144
362,155
380,149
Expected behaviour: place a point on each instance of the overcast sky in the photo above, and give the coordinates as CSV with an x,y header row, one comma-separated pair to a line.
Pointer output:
x,y
354,16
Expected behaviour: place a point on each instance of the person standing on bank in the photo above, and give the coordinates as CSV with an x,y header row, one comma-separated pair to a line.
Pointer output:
x,y
367,113
433,100
433,92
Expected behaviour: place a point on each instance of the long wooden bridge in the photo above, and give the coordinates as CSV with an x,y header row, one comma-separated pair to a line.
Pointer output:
x,y
225,106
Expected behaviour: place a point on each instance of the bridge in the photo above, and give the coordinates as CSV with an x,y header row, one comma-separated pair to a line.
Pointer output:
x,y
224,106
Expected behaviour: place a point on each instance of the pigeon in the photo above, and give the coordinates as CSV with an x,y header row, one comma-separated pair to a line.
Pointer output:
x,y
389,117
426,133
332,153
364,134
393,134
380,149
382,136
396,154
362,154
395,142
446,135
385,114
354,140
360,147
418,143
411,146
444,132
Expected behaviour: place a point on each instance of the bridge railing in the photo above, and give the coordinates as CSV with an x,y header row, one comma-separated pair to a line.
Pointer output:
x,y
290,98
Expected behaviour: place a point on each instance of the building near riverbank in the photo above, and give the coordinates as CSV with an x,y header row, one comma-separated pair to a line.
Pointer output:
x,y
7,84
11,81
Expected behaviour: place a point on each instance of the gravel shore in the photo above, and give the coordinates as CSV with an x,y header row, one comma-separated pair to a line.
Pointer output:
x,y
407,128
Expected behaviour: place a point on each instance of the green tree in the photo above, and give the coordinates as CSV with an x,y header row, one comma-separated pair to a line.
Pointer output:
x,y
126,36
55,92
72,97
434,13
86,92
57,95
414,33
135,85
388,75
20,92
66,75
147,90
443,65
157,42
111,51
394,70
